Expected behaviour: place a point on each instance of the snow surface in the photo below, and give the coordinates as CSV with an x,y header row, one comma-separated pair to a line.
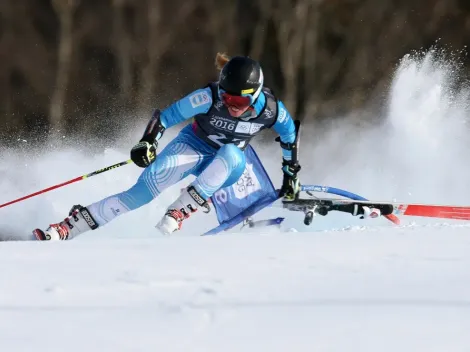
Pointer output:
x,y
363,289
342,284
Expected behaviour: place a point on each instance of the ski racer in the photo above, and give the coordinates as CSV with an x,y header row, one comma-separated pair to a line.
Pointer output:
x,y
227,115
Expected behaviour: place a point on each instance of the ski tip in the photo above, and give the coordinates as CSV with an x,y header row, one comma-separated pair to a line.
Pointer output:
x,y
393,218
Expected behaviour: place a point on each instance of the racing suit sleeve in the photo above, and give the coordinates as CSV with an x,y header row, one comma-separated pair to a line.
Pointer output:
x,y
197,102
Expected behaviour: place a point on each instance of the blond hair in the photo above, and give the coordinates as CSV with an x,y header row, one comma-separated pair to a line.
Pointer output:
x,y
220,60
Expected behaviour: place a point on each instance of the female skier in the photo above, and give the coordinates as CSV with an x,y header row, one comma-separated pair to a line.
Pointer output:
x,y
227,114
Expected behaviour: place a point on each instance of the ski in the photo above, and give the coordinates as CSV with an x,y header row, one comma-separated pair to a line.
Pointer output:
x,y
343,193
320,205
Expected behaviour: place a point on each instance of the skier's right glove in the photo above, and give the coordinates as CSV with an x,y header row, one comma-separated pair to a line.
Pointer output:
x,y
144,153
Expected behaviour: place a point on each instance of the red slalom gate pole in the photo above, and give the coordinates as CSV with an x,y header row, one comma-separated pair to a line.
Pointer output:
x,y
94,173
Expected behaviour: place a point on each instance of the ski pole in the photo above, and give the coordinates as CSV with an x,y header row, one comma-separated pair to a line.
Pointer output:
x,y
94,173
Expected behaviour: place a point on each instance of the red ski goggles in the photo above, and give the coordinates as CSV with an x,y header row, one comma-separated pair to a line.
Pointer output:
x,y
239,101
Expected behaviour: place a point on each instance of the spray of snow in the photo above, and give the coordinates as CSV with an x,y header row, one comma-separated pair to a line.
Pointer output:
x,y
415,151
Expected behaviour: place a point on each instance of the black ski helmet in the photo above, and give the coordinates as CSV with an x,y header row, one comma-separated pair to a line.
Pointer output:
x,y
242,75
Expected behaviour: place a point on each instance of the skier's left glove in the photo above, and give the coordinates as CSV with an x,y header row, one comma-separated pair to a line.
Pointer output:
x,y
290,184
144,153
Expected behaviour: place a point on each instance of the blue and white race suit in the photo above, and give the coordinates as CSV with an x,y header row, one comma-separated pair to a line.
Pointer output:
x,y
211,148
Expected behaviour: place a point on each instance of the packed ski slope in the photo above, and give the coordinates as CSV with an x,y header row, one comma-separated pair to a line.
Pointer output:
x,y
359,290
342,284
